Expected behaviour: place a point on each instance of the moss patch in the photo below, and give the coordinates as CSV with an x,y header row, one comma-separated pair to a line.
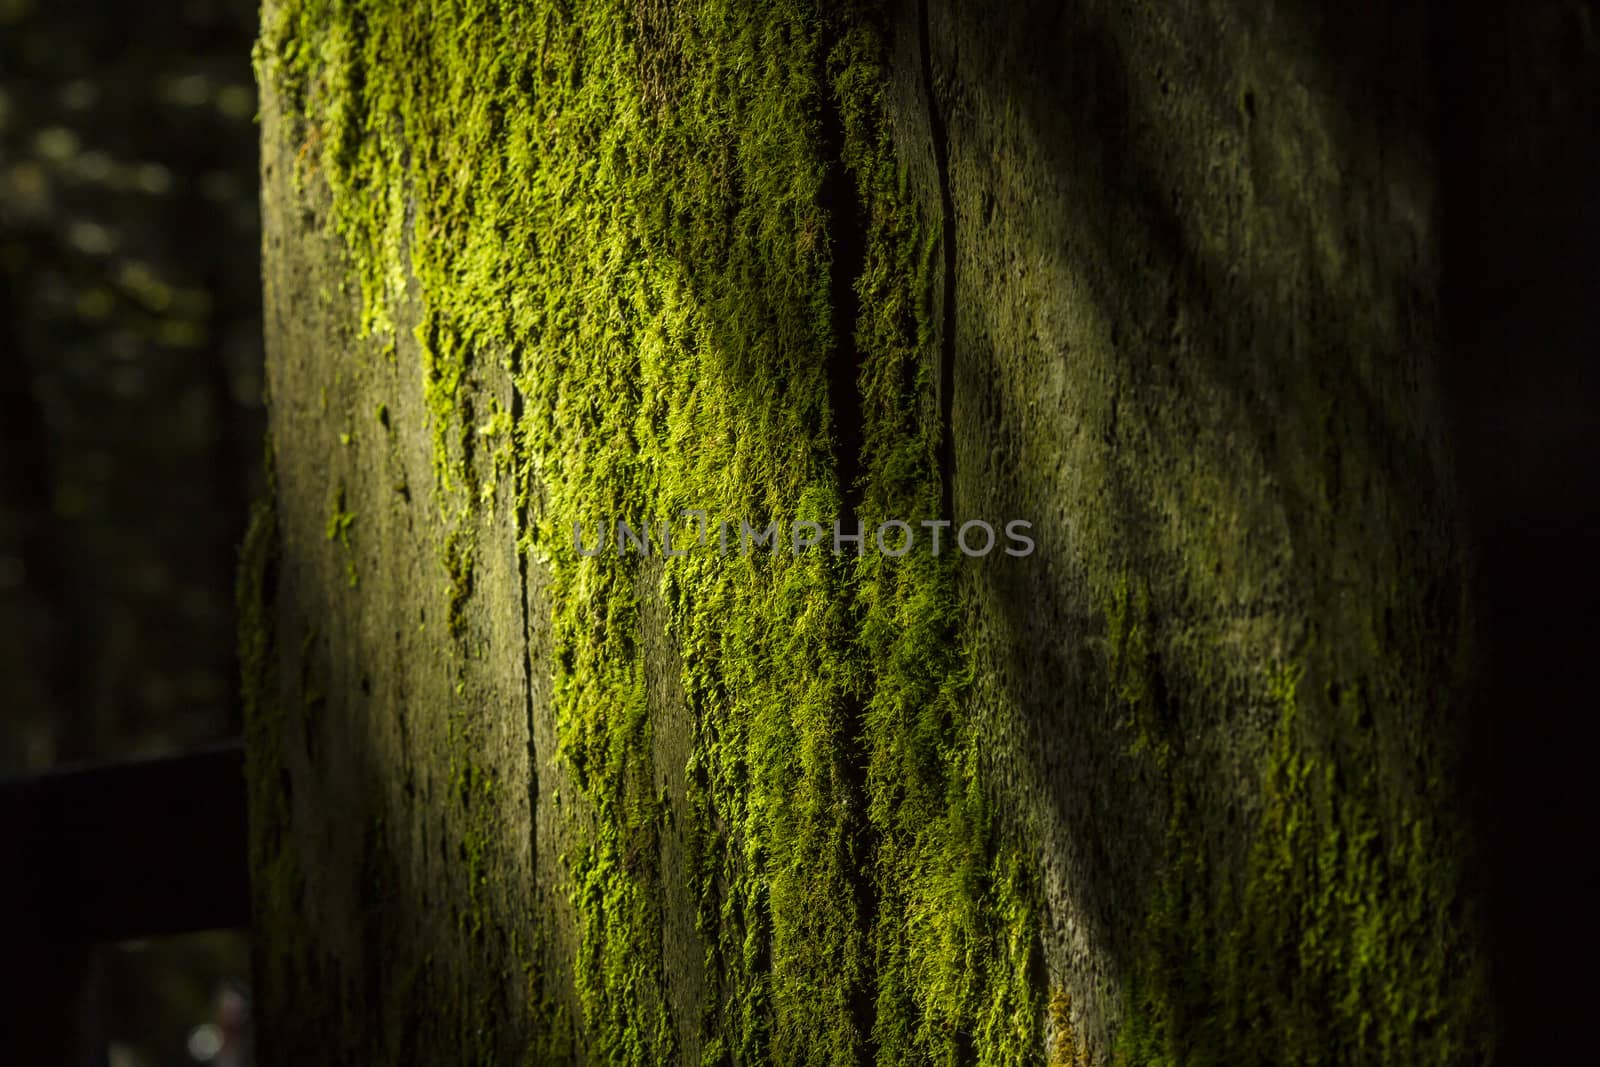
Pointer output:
x,y
683,232
653,246
1340,934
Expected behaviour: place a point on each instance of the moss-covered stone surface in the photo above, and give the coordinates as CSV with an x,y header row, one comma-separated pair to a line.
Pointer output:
x,y
1171,789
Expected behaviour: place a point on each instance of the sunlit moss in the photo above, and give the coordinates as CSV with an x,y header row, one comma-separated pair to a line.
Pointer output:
x,y
647,241
628,206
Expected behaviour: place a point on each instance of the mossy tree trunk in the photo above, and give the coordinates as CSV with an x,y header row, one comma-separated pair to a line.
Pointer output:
x,y
1162,281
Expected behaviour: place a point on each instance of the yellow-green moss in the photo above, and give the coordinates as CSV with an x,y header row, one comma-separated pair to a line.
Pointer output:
x,y
652,215
649,243
1340,937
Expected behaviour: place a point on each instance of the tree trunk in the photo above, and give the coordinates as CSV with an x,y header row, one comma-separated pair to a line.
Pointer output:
x,y
1164,283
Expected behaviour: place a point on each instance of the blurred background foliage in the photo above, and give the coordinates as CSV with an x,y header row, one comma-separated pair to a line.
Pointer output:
x,y
130,417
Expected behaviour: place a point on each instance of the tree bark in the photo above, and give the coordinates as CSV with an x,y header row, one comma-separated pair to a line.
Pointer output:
x,y
1179,785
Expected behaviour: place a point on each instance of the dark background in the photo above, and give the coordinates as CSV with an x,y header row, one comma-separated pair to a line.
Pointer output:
x,y
130,425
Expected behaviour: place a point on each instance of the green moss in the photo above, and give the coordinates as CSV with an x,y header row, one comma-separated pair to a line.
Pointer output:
x,y
650,242
339,520
629,206
457,561
1342,939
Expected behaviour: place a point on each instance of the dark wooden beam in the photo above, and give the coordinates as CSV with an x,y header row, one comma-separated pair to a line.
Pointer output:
x,y
136,849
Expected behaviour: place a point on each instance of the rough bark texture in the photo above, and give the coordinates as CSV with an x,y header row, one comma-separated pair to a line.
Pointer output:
x,y
1161,279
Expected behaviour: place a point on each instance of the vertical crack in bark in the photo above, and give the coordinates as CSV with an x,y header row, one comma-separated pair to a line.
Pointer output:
x,y
521,511
847,229
847,241
947,250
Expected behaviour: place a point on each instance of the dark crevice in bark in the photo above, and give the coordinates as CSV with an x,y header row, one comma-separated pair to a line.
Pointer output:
x,y
847,243
847,228
947,252
523,521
